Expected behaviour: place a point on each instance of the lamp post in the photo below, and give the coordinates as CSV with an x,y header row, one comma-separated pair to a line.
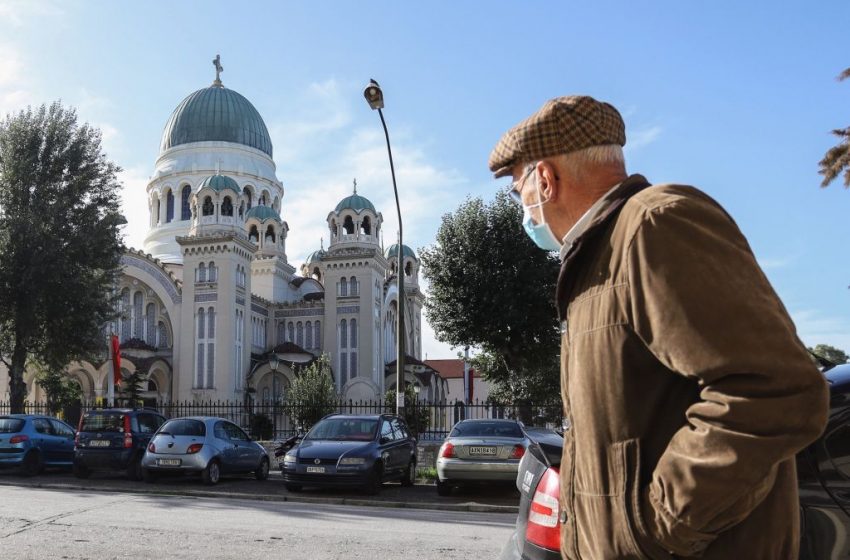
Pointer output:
x,y
375,97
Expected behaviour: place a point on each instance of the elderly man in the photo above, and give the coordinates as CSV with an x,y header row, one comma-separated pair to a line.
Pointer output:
x,y
684,384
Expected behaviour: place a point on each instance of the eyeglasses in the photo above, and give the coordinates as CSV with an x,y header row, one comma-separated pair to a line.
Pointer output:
x,y
515,188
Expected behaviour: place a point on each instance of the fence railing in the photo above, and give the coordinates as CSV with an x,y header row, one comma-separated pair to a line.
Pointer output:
x,y
270,420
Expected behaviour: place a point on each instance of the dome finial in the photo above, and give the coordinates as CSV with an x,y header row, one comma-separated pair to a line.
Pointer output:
x,y
355,186
218,70
322,243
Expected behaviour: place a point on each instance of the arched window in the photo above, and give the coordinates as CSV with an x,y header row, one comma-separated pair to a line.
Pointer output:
x,y
290,329
343,334
201,323
343,286
309,334
126,326
353,372
276,204
264,198
208,208
138,318
267,395
354,287
281,332
211,322
253,234
348,225
212,272
248,197
150,319
270,234
299,334
366,226
354,333
227,207
202,272
408,269
169,206
185,209
242,209
317,335
155,205
162,336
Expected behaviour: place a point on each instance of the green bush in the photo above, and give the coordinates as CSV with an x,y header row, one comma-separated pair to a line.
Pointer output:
x,y
312,395
418,418
262,427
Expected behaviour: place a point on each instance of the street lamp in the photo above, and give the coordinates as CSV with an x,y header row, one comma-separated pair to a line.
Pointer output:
x,y
375,97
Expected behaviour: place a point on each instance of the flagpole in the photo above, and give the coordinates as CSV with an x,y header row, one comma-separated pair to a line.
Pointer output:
x,y
110,396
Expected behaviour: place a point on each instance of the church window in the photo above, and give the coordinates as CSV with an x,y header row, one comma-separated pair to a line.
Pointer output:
x,y
317,274
308,328
343,334
150,318
281,333
212,272
242,209
353,372
354,286
169,206
210,365
343,369
202,272
276,204
237,355
199,377
270,234
366,226
227,207
201,323
162,336
265,198
267,395
408,269
291,330
201,350
208,208
354,333
125,315
317,335
185,209
343,286
254,235
348,225
299,333
138,318
211,322
248,197
155,204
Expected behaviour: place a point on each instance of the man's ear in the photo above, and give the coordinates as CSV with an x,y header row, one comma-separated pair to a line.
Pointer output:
x,y
548,180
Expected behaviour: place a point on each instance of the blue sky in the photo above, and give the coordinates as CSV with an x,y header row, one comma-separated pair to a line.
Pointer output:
x,y
735,98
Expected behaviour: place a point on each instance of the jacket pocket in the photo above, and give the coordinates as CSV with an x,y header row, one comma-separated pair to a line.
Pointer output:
x,y
639,533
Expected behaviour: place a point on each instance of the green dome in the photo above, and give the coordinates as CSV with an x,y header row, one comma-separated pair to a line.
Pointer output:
x,y
392,252
315,256
216,114
262,213
219,183
356,203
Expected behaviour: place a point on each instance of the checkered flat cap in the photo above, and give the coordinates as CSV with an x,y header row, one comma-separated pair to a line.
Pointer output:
x,y
562,125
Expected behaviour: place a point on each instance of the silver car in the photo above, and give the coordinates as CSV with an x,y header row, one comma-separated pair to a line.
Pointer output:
x,y
210,447
480,450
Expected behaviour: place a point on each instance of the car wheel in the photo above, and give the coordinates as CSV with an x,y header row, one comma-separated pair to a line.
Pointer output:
x,y
407,477
373,481
293,487
81,471
443,488
32,463
134,469
149,476
212,473
263,472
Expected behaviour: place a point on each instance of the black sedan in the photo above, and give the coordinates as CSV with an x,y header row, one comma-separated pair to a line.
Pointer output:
x,y
352,451
823,473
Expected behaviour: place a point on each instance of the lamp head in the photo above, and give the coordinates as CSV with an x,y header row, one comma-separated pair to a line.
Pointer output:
x,y
374,96
274,361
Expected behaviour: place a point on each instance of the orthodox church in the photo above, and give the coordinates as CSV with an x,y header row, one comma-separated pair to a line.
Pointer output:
x,y
212,309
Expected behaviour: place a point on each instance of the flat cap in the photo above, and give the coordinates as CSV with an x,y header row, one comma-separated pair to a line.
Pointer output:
x,y
562,125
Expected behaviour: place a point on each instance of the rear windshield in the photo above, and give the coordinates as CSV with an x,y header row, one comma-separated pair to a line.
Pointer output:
x,y
99,422
184,428
344,429
480,429
11,425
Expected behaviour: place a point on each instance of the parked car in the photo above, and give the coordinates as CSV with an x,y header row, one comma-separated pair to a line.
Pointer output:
x,y
478,451
205,446
358,451
32,442
823,473
114,439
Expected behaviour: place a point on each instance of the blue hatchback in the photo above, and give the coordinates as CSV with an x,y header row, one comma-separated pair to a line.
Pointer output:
x,y
32,442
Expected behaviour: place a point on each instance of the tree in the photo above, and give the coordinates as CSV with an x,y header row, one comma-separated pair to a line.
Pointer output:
x,y
130,390
837,158
492,288
60,244
58,388
830,353
312,395
416,416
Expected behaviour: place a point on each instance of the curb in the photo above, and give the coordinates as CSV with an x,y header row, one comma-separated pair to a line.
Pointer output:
x,y
473,507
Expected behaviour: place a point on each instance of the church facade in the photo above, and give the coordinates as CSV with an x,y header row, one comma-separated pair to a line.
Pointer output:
x,y
211,308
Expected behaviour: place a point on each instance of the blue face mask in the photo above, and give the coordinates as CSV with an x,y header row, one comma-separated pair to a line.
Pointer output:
x,y
541,233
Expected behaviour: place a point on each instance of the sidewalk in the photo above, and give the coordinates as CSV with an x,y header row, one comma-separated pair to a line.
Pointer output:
x,y
502,498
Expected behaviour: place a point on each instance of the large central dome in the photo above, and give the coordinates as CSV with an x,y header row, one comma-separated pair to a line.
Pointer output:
x,y
216,114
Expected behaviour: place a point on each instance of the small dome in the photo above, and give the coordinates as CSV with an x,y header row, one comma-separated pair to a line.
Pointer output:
x,y
355,202
262,213
216,114
392,252
315,256
219,183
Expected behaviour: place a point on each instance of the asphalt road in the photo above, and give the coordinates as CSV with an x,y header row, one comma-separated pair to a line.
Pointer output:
x,y
42,524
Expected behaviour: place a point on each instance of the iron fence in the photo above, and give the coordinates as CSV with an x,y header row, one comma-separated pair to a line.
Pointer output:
x,y
270,420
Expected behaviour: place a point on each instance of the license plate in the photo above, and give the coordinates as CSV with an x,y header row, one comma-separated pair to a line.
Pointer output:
x,y
99,443
482,450
316,469
168,462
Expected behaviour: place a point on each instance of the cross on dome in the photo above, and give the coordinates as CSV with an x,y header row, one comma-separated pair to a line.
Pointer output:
x,y
218,70
355,186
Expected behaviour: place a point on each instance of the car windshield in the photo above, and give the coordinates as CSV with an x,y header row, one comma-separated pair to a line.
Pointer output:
x,y
344,429
98,422
484,428
11,425
184,427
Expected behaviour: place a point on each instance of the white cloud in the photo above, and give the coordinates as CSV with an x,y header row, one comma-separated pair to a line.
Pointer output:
x,y
641,137
15,89
134,206
774,263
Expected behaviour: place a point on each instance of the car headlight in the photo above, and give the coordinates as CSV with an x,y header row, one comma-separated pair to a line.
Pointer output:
x,y
289,459
352,461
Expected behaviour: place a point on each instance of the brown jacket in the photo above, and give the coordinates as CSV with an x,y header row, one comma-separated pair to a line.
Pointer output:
x,y
686,387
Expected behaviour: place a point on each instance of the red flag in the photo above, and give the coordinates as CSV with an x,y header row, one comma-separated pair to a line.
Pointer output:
x,y
116,360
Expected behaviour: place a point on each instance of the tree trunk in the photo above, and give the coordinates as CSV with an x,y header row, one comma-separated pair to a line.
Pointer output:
x,y
17,387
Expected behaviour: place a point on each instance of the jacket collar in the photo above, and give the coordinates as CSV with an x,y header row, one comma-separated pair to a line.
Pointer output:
x,y
589,227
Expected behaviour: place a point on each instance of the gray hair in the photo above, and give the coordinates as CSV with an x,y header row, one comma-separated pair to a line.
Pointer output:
x,y
577,163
